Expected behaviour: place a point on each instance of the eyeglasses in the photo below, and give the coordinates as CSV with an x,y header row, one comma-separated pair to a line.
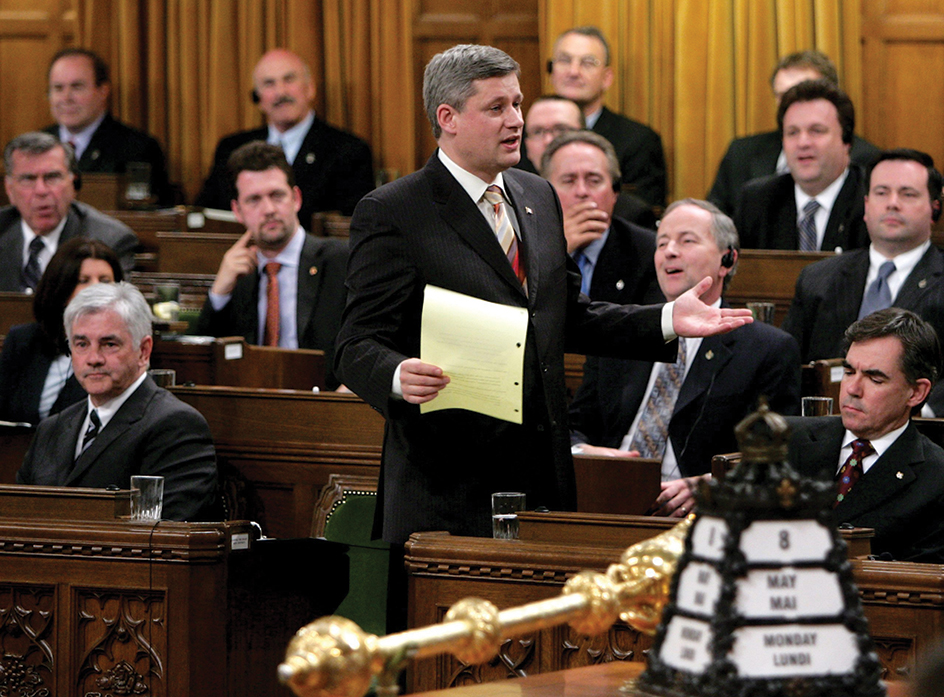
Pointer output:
x,y
565,60
50,179
552,131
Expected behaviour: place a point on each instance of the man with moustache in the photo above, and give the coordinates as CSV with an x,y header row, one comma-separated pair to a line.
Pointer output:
x,y
889,476
469,224
128,425
333,168
581,71
278,285
684,413
817,205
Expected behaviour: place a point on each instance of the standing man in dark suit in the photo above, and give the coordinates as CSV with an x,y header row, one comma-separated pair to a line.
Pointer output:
x,y
761,154
580,70
817,205
614,255
719,383
128,425
276,265
79,88
333,168
437,227
40,183
890,477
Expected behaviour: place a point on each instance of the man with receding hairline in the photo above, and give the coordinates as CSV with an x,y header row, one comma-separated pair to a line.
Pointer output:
x,y
333,168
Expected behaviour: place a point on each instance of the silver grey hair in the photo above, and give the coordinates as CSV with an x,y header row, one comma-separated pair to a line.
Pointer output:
x,y
722,227
37,143
450,76
589,138
121,298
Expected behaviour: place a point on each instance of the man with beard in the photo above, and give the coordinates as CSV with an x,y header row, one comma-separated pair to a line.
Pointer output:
x,y
278,285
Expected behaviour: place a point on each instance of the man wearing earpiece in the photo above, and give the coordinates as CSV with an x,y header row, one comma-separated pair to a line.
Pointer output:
x,y
614,255
41,181
900,268
333,168
684,413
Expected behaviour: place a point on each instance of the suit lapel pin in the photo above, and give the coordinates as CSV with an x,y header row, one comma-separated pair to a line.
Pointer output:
x,y
899,475
922,283
95,154
527,209
313,270
620,285
310,158
709,355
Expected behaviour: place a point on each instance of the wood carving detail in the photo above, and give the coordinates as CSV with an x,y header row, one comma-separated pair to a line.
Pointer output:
x,y
27,623
619,643
514,660
554,577
122,643
897,656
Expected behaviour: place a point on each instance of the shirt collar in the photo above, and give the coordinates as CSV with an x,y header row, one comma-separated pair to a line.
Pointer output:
x,y
292,139
880,444
592,119
50,239
111,407
904,262
592,250
289,256
474,186
83,137
826,198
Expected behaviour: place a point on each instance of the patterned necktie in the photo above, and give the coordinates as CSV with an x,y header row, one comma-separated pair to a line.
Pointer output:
x,y
878,295
586,269
852,468
505,232
94,425
653,429
807,227
31,272
271,335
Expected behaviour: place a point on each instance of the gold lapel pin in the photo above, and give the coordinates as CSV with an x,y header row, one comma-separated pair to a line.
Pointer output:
x,y
899,475
710,354
313,270
620,284
310,158
922,283
527,209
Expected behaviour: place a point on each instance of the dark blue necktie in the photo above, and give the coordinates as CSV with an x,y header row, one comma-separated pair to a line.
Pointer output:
x,y
31,272
878,295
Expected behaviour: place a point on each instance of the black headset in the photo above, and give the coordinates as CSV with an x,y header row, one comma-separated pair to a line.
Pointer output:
x,y
254,96
727,261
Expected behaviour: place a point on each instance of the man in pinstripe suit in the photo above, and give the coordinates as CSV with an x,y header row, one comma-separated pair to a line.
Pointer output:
x,y
434,227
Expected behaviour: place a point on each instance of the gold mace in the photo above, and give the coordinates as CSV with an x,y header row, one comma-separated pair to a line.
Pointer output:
x,y
333,657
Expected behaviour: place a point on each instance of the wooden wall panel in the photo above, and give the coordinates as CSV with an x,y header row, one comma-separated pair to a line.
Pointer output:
x,y
31,31
903,66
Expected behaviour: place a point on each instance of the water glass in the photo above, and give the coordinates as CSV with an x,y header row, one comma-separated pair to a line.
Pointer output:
x,y
147,497
505,508
817,406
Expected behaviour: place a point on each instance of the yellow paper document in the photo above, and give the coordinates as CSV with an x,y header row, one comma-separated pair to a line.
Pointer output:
x,y
480,346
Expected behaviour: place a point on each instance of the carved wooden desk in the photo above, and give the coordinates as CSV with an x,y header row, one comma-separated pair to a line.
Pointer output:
x,y
112,607
903,602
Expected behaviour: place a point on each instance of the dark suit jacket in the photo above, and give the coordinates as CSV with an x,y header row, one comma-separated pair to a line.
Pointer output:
x,y
82,220
333,169
756,156
152,433
321,298
829,293
625,272
640,154
901,496
24,365
439,469
727,376
115,144
766,217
